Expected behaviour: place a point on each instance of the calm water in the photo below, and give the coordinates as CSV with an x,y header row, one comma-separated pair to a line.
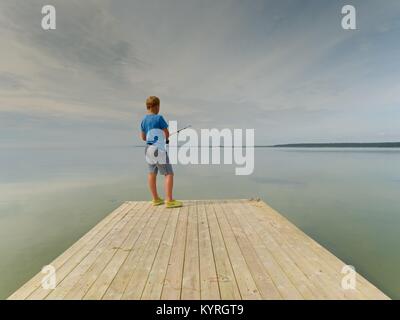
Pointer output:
x,y
348,200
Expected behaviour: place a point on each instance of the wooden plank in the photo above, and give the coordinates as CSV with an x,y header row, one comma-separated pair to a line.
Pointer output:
x,y
92,248
125,273
191,267
363,285
314,267
138,279
281,281
209,249
265,285
226,278
103,281
299,279
78,282
33,284
155,280
309,267
173,279
74,270
209,289
247,286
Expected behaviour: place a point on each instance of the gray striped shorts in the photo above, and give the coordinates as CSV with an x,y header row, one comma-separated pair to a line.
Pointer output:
x,y
158,161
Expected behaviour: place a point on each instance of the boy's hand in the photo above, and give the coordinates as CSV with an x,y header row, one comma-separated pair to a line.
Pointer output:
x,y
166,133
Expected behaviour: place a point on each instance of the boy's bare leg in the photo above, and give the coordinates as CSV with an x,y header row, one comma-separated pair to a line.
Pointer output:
x,y
152,180
169,184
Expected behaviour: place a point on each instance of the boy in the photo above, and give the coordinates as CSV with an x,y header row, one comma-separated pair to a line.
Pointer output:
x,y
153,128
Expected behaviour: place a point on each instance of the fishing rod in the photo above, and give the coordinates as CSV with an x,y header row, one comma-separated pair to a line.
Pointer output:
x,y
180,130
167,142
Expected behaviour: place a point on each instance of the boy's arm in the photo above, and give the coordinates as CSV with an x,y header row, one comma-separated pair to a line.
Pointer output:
x,y
166,133
142,131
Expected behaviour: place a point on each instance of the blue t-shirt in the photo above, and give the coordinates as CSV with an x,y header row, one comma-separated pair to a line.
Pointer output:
x,y
150,122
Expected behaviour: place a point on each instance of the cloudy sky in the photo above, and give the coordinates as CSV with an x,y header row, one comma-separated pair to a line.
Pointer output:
x,y
285,68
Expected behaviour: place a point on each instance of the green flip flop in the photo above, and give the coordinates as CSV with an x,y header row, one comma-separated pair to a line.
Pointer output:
x,y
157,202
174,204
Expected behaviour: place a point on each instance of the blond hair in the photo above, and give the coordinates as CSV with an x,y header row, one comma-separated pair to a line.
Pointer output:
x,y
152,103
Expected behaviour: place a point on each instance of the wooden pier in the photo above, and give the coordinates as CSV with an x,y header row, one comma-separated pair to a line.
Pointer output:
x,y
217,249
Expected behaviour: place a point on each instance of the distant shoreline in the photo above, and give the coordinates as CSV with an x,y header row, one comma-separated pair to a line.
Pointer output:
x,y
340,145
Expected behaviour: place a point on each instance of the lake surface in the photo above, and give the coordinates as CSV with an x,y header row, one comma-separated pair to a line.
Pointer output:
x,y
346,199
